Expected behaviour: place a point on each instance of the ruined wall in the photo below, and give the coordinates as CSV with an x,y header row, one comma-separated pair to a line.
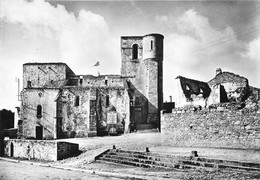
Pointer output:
x,y
31,98
191,92
39,149
252,102
235,87
222,126
41,74
76,120
113,111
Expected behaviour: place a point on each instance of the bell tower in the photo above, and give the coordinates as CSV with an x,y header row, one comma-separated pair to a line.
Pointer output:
x,y
142,65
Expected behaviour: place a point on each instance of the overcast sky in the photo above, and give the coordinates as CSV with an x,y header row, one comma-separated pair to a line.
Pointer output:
x,y
200,36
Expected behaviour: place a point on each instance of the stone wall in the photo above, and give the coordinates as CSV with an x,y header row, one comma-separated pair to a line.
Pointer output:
x,y
35,149
39,149
218,127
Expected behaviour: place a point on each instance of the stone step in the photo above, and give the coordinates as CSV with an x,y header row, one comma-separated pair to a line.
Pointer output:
x,y
143,127
145,161
152,160
227,162
147,156
142,154
133,163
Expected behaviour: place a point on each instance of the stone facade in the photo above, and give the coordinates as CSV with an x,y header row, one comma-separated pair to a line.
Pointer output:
x,y
56,103
45,121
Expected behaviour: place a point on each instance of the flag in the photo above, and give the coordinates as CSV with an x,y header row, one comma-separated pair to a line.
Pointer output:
x,y
97,64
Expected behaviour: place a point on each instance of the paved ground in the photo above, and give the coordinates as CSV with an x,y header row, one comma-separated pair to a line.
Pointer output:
x,y
19,171
91,147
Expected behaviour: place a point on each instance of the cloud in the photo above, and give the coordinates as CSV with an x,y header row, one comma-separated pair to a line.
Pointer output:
x,y
195,49
81,39
253,49
163,18
39,32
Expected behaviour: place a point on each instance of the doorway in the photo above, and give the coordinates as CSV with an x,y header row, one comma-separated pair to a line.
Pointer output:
x,y
138,115
92,116
39,132
12,150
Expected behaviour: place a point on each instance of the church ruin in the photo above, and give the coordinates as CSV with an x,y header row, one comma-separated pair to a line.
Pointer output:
x,y
57,103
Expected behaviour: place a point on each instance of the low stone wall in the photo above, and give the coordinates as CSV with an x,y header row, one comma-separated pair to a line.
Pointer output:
x,y
39,149
220,127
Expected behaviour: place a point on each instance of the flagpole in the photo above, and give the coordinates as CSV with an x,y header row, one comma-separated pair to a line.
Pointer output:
x,y
18,88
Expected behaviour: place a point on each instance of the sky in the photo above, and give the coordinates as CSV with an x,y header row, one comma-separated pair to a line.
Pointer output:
x,y
199,37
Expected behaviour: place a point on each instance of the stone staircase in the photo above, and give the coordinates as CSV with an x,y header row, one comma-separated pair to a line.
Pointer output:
x,y
170,161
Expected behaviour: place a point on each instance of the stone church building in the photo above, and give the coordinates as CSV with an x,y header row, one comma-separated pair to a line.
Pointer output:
x,y
57,103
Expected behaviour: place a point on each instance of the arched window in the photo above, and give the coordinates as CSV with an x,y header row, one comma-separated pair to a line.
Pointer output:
x,y
39,111
135,51
77,101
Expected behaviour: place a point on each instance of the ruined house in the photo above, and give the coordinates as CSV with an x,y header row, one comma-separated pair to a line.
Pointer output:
x,y
57,103
225,87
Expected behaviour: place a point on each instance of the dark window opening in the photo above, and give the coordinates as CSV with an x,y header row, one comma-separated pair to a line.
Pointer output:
x,y
151,45
29,84
105,82
137,102
135,51
77,101
107,100
80,81
131,102
39,111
